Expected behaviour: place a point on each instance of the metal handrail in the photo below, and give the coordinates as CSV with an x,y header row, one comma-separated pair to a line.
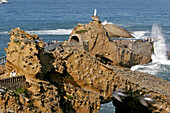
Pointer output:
x,y
12,77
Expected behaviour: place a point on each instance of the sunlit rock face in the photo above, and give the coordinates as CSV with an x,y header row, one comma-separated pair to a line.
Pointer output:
x,y
26,56
96,36
75,81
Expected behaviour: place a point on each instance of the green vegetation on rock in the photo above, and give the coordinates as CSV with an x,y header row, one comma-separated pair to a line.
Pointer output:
x,y
69,97
30,105
81,31
22,90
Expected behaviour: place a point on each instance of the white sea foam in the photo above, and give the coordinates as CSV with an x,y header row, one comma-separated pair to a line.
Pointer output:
x,y
51,32
47,32
139,34
160,49
151,68
168,32
160,62
105,22
127,26
4,32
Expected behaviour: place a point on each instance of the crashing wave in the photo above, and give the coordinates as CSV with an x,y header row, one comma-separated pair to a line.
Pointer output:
x,y
160,62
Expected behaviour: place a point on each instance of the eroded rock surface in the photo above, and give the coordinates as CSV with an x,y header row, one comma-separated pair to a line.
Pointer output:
x,y
72,80
3,71
26,56
102,47
116,31
101,80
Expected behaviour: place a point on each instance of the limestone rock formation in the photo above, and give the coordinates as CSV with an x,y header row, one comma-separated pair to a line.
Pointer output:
x,y
47,100
26,56
3,71
116,31
75,81
85,76
99,44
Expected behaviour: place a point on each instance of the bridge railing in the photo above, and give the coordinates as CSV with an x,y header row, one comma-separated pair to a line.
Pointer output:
x,y
13,83
2,60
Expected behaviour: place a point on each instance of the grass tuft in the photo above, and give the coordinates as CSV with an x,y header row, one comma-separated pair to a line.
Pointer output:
x,y
81,31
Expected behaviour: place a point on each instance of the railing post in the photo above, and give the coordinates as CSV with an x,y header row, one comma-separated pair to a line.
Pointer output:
x,y
2,60
13,82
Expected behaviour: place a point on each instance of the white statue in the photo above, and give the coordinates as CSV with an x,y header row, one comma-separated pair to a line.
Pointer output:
x,y
95,12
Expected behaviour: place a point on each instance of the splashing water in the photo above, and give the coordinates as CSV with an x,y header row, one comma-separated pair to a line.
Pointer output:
x,y
160,49
160,64
105,22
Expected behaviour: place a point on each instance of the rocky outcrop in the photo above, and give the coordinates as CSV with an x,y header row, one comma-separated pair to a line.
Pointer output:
x,y
23,101
2,70
168,55
116,31
75,81
25,55
102,47
89,75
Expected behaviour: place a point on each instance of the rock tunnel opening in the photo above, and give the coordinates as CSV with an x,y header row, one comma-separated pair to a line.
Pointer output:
x,y
74,40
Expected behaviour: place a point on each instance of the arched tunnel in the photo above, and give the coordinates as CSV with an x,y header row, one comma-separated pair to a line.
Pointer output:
x,y
75,40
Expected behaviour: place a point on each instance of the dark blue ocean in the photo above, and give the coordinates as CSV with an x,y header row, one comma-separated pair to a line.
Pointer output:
x,y
54,20
60,16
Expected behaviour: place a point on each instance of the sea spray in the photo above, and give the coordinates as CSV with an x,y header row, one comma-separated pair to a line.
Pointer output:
x,y
160,65
105,22
160,49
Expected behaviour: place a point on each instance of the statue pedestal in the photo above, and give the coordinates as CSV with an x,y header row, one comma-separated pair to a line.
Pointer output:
x,y
95,18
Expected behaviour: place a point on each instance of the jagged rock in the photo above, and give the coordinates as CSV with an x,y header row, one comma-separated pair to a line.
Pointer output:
x,y
26,56
3,71
81,89
95,36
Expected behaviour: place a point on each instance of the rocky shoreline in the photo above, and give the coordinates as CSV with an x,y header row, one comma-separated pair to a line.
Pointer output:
x,y
80,83
82,74
169,55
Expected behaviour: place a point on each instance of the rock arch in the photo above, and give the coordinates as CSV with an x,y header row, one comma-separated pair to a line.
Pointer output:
x,y
75,39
